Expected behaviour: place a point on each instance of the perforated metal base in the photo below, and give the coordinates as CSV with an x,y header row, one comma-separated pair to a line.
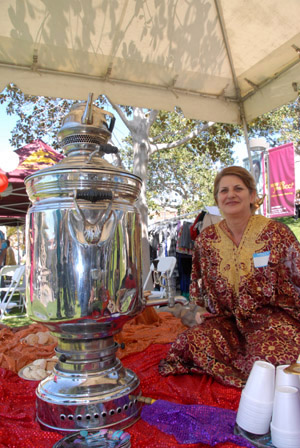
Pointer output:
x,y
88,389
69,402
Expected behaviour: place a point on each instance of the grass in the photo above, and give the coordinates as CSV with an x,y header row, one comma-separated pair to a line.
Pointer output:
x,y
16,320
293,224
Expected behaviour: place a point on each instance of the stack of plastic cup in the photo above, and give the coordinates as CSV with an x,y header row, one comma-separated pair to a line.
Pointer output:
x,y
256,404
285,425
286,379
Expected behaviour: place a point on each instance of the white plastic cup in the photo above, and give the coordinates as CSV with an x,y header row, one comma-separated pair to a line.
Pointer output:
x,y
260,385
285,425
282,439
283,378
253,416
256,403
256,406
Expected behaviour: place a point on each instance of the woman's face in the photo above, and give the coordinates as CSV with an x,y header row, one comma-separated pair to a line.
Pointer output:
x,y
234,198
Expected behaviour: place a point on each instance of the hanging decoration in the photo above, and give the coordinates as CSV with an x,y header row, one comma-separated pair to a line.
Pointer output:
x,y
3,182
10,163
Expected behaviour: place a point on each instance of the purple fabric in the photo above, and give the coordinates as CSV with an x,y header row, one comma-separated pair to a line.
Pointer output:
x,y
194,423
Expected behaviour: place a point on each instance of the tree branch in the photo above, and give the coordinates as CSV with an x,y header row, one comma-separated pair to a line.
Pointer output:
x,y
119,160
119,111
151,117
187,138
167,132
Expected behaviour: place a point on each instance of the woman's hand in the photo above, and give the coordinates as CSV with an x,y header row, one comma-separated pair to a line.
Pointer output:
x,y
199,318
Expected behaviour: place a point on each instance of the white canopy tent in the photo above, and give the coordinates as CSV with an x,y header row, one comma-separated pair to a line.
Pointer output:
x,y
219,60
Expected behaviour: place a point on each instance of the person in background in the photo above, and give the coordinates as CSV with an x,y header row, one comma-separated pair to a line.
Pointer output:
x,y
246,272
297,205
3,246
10,258
256,170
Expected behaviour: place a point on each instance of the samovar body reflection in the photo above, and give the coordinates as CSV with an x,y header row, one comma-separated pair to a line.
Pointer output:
x,y
84,276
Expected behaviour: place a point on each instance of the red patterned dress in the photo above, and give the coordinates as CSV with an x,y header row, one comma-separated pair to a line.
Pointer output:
x,y
254,301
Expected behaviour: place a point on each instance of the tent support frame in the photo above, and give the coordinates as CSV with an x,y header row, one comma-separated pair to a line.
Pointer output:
x,y
235,80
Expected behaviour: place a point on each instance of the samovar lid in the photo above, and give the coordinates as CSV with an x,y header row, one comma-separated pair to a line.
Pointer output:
x,y
84,138
86,125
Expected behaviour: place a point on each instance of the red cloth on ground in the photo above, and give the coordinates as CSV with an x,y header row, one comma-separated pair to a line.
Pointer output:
x,y
18,428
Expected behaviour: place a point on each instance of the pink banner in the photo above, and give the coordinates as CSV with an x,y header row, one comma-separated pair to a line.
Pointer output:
x,y
281,181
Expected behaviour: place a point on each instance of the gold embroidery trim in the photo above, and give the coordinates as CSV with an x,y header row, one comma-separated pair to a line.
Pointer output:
x,y
237,262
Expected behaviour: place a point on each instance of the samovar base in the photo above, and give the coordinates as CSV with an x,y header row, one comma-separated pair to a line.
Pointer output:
x,y
69,402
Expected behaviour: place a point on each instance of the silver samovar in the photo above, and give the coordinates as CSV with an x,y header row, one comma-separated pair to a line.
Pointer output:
x,y
84,276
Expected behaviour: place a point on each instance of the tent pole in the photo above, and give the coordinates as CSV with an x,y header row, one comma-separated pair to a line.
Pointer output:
x,y
18,244
235,80
245,127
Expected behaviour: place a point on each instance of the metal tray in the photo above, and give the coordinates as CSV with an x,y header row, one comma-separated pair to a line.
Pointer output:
x,y
256,440
80,440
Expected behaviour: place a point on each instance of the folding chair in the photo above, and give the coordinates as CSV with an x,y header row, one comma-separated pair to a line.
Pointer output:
x,y
6,274
17,286
162,275
163,270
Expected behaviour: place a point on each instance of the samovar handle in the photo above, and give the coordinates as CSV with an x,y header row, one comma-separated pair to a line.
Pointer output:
x,y
107,149
93,195
112,124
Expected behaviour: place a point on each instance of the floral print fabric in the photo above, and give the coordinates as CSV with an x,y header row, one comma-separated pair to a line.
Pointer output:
x,y
254,311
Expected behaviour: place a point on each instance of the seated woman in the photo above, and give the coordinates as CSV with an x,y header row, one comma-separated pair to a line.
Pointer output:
x,y
246,272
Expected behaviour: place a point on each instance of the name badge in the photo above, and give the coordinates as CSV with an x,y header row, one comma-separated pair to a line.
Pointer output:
x,y
261,260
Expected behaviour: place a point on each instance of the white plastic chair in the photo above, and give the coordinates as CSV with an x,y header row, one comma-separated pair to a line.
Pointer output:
x,y
165,267
6,274
17,286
